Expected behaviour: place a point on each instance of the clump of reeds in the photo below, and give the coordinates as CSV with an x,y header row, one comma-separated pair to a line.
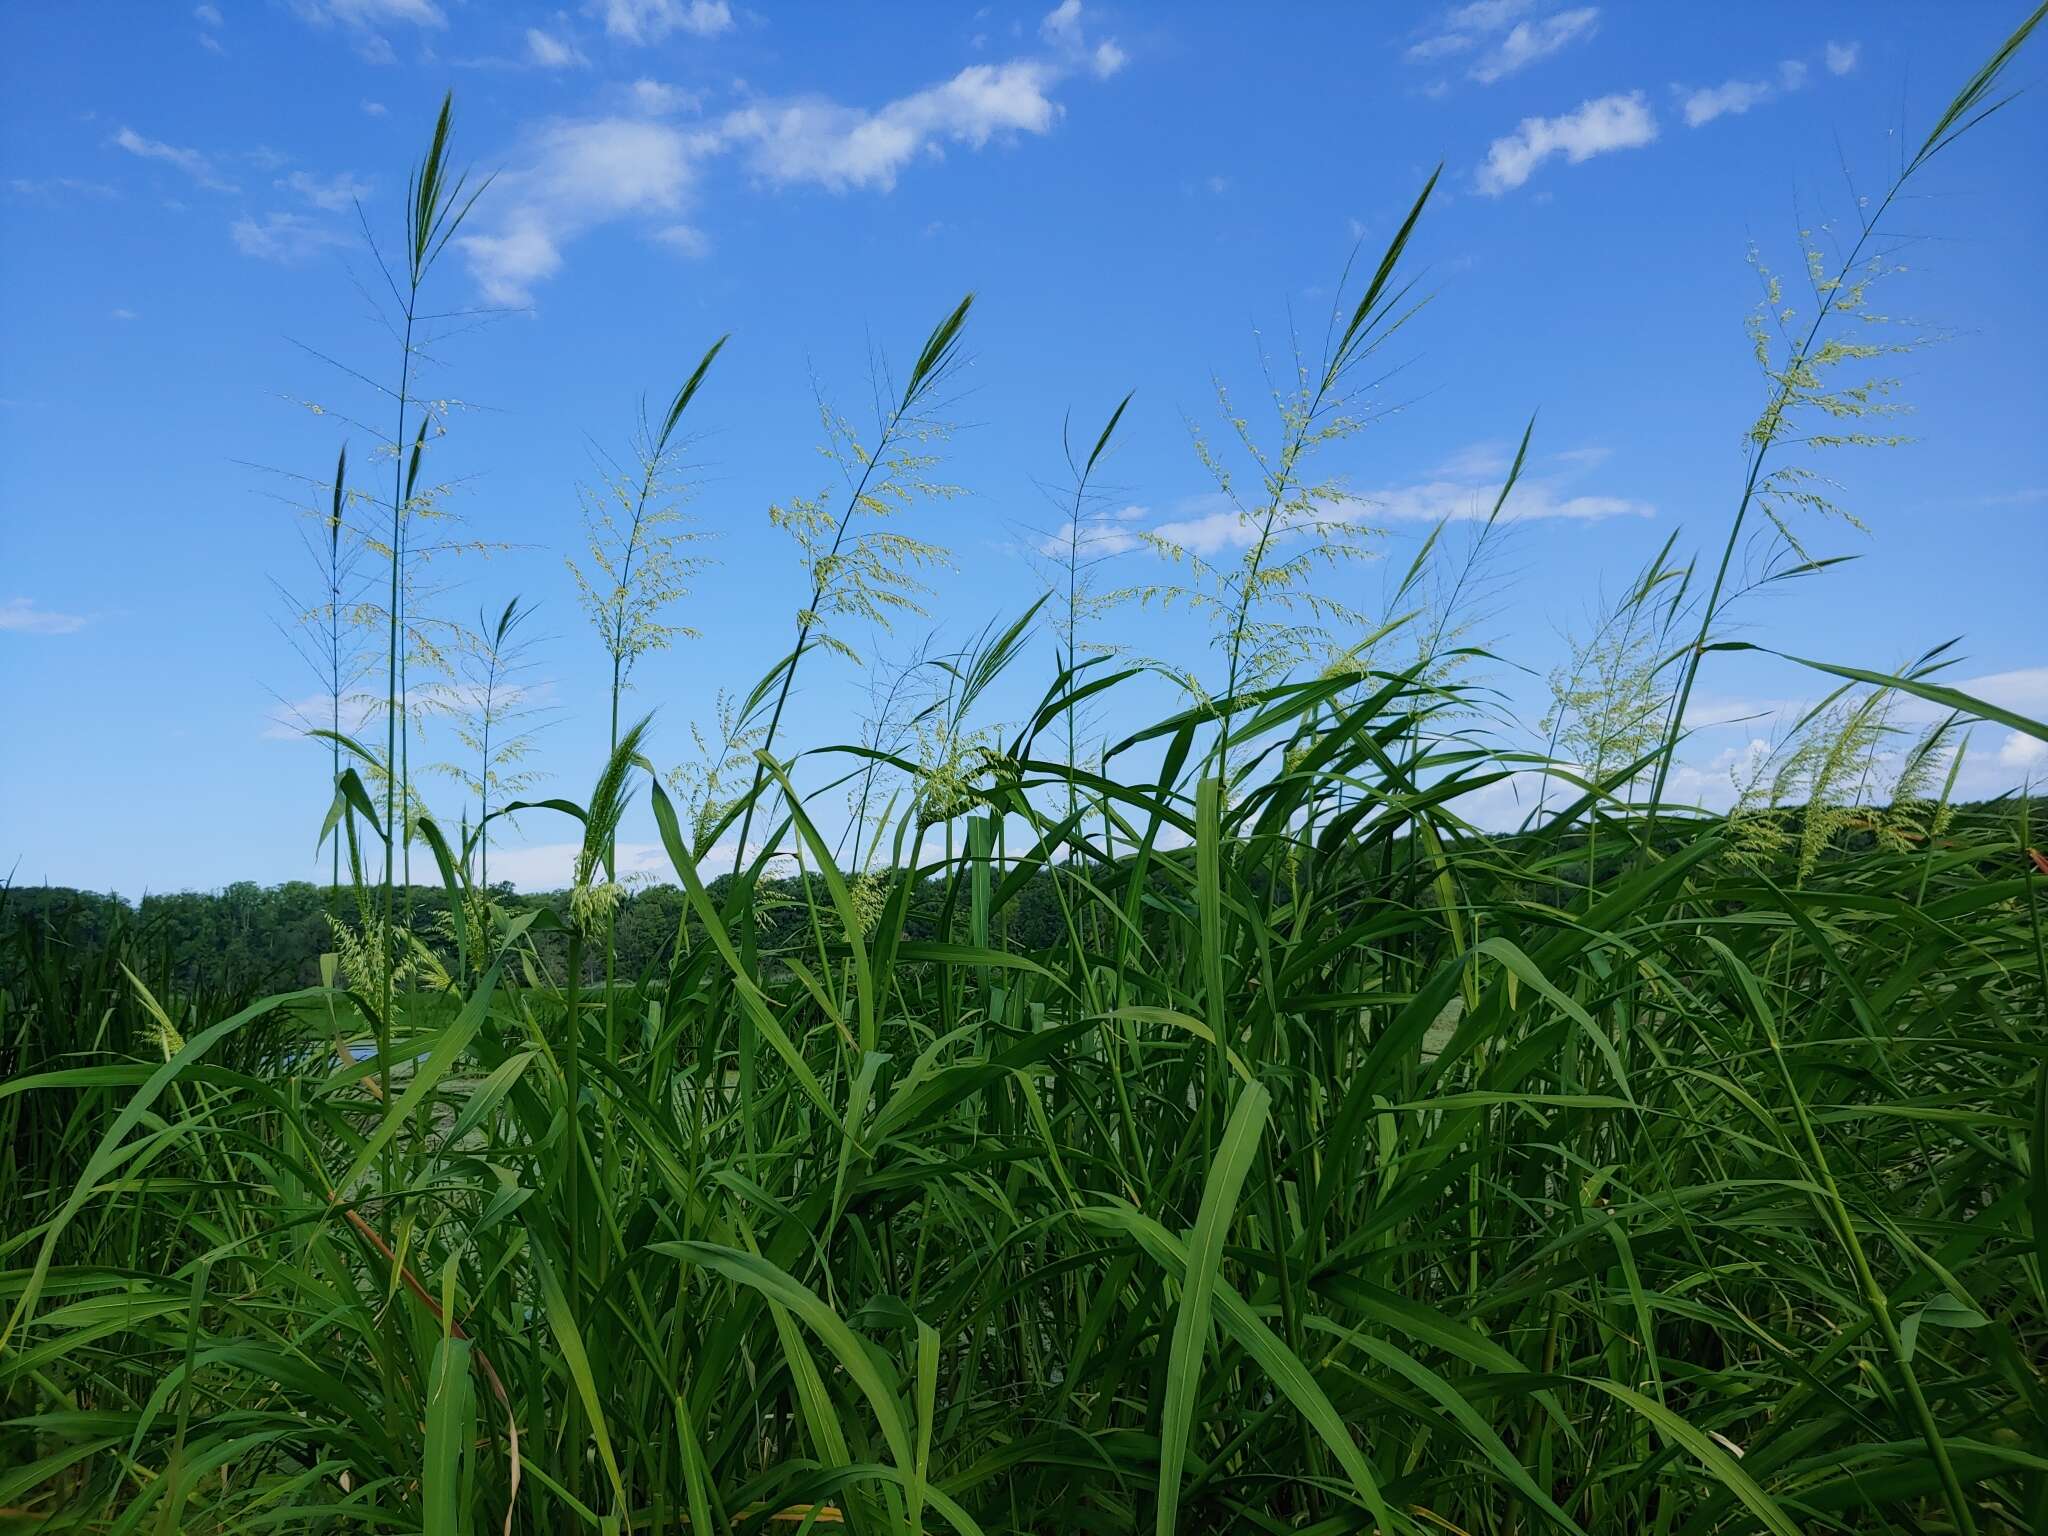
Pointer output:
x,y
1219,1133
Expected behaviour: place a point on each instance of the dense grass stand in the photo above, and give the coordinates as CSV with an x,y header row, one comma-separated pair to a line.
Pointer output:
x,y
1213,1131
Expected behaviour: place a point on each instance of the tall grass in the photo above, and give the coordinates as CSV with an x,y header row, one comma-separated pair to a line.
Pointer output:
x,y
1333,1165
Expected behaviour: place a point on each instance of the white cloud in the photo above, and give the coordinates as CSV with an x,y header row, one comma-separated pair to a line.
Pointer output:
x,y
840,147
686,238
1488,15
660,100
1532,500
190,161
1984,772
1062,24
334,193
581,174
1841,57
1531,41
1732,96
374,109
1464,489
121,314
550,52
1598,127
51,186
1464,28
21,616
1476,461
208,15
2024,690
649,21
1094,538
212,44
1510,42
1062,28
290,719
507,264
366,13
287,238
1711,785
1440,46
362,18
361,710
2028,753
1211,533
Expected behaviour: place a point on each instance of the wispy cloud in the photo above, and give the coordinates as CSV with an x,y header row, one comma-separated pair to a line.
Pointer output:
x,y
372,13
839,147
1841,57
2027,754
291,719
1732,98
52,186
120,314
581,174
1466,27
1986,770
333,193
1530,41
547,51
2023,690
1209,533
360,19
649,21
1095,538
1062,28
659,99
578,175
190,161
1504,42
1597,127
374,109
686,238
1477,461
1533,499
1462,489
22,616
286,238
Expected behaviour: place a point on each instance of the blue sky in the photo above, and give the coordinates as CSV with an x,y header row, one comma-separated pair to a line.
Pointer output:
x,y
1139,195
